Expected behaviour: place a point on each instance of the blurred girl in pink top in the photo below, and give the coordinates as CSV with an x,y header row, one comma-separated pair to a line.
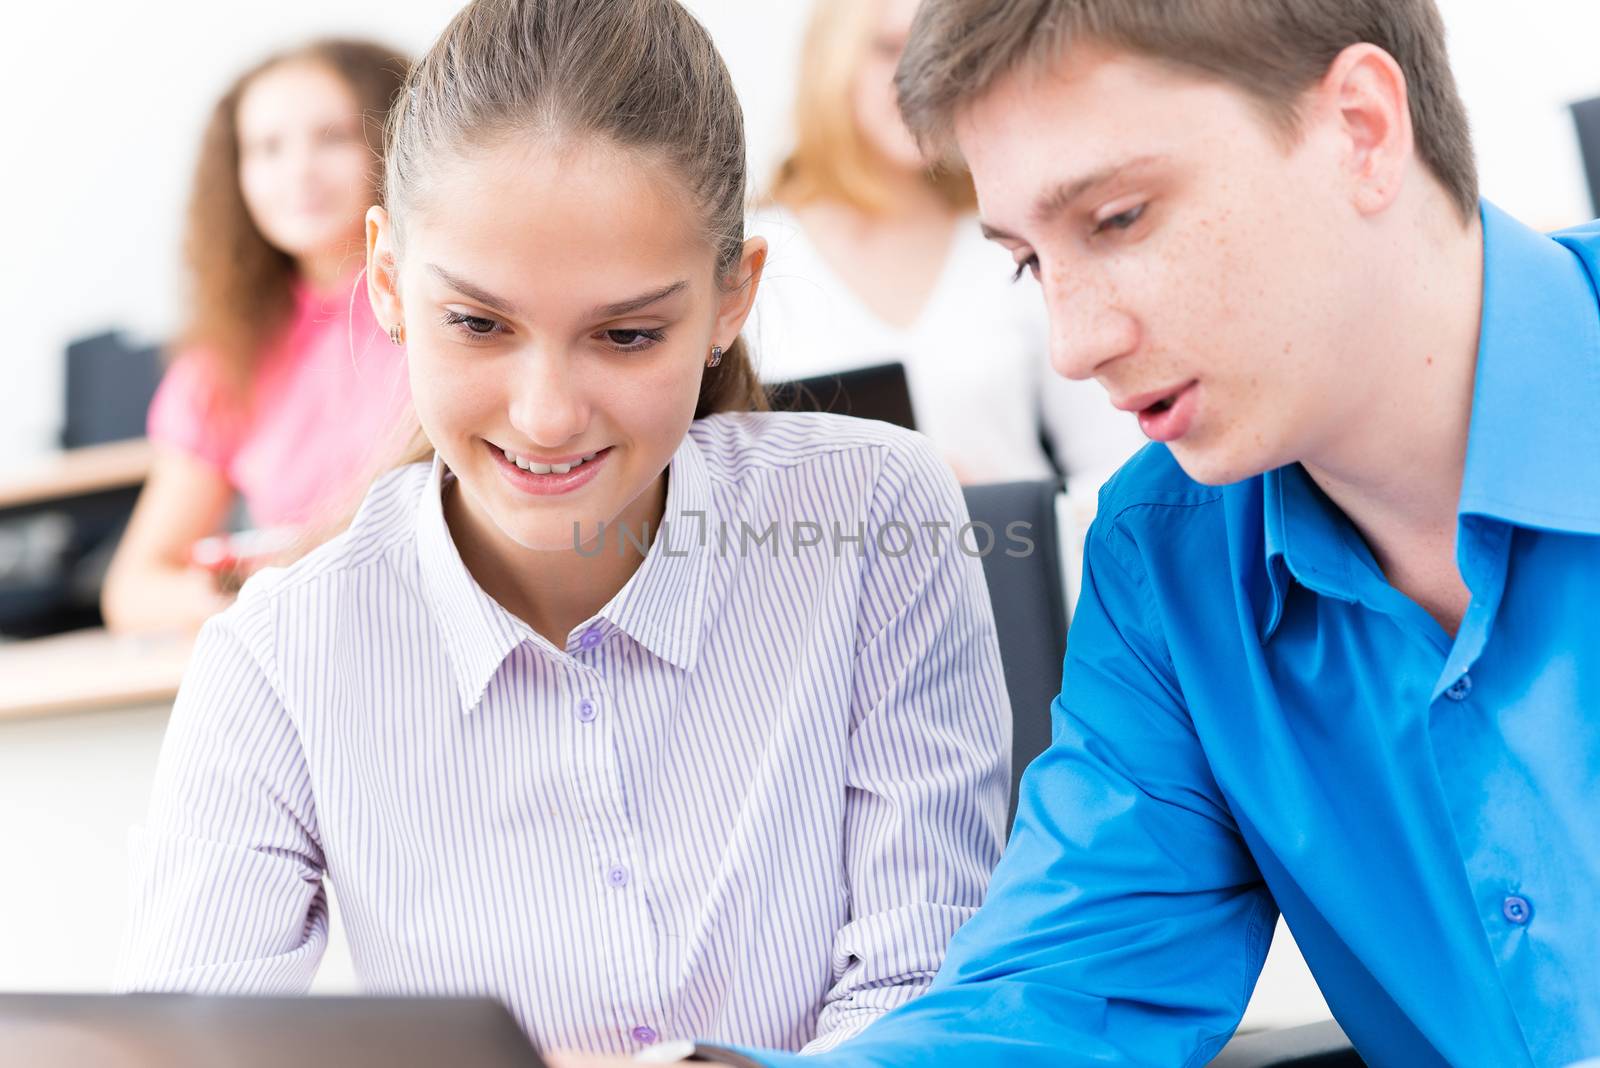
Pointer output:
x,y
284,390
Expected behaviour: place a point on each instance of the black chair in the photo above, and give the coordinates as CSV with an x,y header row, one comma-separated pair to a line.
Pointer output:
x,y
1030,608
877,392
1318,1045
109,386
54,553
1586,117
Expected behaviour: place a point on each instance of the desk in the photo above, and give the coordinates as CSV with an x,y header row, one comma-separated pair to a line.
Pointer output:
x,y
76,472
89,669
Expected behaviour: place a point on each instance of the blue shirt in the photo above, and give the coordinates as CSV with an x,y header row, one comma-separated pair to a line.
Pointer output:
x,y
1253,719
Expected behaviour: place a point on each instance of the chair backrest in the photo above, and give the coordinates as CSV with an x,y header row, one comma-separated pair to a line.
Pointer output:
x,y
877,392
109,386
1318,1045
1586,117
1030,608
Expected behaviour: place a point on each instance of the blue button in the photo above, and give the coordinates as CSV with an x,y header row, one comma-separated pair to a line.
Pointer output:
x,y
1460,688
590,638
645,1034
1517,909
617,877
587,710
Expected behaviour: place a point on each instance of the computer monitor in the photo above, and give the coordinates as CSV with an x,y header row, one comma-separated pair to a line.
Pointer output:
x,y
876,392
192,1031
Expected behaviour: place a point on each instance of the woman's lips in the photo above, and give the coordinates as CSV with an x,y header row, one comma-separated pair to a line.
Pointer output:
x,y
551,484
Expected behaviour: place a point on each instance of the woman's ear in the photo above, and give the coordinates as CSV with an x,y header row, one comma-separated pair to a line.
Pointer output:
x,y
383,280
739,292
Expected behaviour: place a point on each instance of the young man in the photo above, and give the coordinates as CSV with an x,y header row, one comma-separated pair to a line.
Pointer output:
x,y
1336,652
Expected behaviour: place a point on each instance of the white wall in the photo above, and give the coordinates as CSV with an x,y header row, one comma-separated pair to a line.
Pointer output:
x,y
103,102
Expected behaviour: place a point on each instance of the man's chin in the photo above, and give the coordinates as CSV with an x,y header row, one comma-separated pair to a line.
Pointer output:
x,y
1215,467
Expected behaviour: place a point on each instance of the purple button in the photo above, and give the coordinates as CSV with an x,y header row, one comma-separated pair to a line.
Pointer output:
x,y
645,1035
617,877
590,638
1460,688
1517,909
586,710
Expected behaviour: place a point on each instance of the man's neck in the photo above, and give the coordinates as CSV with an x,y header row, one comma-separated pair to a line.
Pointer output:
x,y
1397,473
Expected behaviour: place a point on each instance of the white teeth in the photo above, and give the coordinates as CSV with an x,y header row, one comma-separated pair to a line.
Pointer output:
x,y
547,469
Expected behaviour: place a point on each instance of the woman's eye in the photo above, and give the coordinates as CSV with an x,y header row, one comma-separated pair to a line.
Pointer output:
x,y
1031,265
632,340
1120,221
474,326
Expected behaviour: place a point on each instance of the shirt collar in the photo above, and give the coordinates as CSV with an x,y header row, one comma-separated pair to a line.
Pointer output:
x,y
478,633
1533,446
660,606
1533,452
1304,536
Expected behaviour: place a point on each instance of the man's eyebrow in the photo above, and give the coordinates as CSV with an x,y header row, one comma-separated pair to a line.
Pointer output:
x,y
1060,196
466,288
642,301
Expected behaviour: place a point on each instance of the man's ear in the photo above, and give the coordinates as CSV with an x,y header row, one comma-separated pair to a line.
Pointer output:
x,y
1366,92
739,293
383,280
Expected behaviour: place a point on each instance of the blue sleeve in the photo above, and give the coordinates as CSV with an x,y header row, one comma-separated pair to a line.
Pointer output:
x,y
1126,923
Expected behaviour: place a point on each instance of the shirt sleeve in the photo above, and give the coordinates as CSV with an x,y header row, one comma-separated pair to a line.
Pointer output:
x,y
191,412
226,883
1127,923
928,764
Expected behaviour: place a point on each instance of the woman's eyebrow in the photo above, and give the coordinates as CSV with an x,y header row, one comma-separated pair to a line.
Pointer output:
x,y
466,288
642,301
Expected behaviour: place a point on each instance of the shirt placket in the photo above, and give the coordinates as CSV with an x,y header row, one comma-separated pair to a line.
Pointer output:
x,y
1466,736
600,785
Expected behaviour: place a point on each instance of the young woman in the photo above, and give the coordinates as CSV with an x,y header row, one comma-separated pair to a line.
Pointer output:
x,y
283,382
628,705
876,258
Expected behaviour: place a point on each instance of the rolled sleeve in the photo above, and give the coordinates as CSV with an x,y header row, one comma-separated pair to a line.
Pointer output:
x,y
191,413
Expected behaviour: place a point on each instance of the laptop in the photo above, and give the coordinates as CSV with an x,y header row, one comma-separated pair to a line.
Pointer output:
x,y
876,392
194,1031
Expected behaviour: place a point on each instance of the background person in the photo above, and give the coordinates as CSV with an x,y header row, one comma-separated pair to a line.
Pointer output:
x,y
284,390
877,258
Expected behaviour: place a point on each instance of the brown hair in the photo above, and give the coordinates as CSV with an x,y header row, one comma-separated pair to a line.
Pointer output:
x,y
1270,49
830,160
641,74
242,286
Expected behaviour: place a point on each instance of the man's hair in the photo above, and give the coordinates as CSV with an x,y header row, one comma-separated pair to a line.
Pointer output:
x,y
1272,50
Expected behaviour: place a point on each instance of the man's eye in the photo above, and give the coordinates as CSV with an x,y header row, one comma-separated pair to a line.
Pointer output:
x,y
1120,221
1031,265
